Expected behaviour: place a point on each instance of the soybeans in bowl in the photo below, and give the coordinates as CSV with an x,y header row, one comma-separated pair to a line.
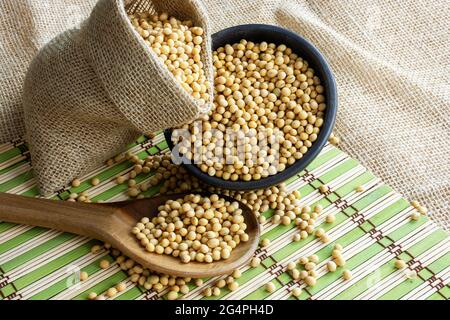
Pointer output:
x,y
274,109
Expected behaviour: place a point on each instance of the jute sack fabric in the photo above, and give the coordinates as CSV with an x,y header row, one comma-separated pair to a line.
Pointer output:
x,y
25,27
91,91
390,59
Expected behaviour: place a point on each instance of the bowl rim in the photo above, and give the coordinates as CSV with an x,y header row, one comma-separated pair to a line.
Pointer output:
x,y
325,132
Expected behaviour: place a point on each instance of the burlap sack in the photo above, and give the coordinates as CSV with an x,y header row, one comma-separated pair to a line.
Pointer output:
x,y
92,90
390,59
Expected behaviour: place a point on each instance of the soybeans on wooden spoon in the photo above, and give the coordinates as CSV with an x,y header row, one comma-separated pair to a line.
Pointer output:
x,y
113,222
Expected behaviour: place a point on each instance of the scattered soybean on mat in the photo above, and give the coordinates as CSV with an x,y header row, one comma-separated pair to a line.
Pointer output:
x,y
373,227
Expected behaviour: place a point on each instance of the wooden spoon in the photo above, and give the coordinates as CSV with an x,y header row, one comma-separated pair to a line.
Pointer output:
x,y
112,223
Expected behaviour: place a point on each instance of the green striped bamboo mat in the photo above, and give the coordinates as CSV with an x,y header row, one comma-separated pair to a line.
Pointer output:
x,y
373,226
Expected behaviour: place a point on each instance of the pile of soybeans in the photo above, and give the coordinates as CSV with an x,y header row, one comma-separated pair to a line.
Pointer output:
x,y
268,110
272,102
194,228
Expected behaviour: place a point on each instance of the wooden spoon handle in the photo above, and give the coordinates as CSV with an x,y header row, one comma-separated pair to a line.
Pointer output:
x,y
79,218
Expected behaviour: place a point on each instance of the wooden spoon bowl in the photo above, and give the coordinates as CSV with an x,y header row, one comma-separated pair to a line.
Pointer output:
x,y
112,223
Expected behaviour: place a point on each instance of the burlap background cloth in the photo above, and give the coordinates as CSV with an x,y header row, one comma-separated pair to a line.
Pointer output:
x,y
390,58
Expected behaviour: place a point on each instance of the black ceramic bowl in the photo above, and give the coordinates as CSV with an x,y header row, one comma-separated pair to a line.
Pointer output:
x,y
258,33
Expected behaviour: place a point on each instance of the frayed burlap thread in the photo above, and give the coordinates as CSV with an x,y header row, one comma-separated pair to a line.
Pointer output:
x,y
92,90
